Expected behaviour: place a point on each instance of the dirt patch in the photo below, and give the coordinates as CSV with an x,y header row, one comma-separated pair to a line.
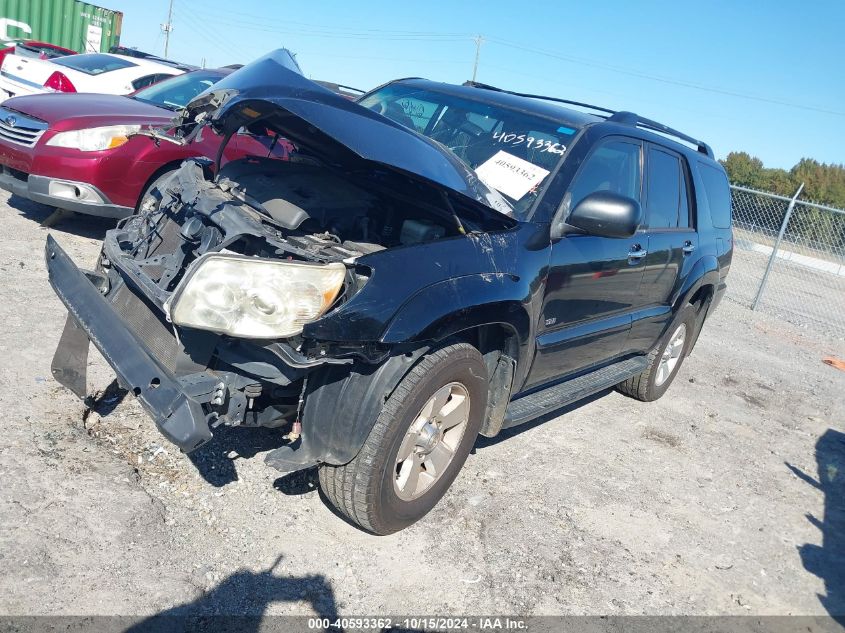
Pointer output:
x,y
700,507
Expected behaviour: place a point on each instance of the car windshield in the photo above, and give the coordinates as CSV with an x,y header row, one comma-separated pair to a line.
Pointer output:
x,y
94,64
511,151
174,93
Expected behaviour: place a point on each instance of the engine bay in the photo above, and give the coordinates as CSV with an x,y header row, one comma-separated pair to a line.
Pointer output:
x,y
297,210
321,212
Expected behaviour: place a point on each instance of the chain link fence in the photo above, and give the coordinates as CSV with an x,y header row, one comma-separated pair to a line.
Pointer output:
x,y
789,259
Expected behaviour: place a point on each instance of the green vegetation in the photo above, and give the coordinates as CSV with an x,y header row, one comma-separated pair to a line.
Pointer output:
x,y
822,231
823,183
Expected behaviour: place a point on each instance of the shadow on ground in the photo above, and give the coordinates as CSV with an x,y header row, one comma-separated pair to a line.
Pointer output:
x,y
213,461
827,561
76,223
240,602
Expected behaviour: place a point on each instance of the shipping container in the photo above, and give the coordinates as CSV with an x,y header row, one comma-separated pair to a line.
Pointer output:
x,y
80,26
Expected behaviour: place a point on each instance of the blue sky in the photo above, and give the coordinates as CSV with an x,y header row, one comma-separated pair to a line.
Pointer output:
x,y
764,77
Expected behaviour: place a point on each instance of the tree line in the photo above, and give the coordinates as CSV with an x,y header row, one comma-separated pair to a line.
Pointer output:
x,y
823,183
813,228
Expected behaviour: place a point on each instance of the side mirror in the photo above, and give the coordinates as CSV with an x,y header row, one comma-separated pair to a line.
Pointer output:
x,y
606,214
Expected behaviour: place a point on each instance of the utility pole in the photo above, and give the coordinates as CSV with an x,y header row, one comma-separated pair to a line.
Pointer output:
x,y
167,27
477,39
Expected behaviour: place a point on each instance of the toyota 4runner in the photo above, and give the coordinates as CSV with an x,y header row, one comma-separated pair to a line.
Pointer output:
x,y
433,262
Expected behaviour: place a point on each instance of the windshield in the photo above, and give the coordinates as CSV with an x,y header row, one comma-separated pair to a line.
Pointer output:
x,y
175,93
510,151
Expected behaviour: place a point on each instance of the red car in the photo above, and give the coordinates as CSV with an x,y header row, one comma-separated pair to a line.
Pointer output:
x,y
78,152
34,48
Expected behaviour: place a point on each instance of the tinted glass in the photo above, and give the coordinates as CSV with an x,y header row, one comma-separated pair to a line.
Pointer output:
x,y
95,64
718,194
39,50
174,93
149,80
664,190
476,132
614,167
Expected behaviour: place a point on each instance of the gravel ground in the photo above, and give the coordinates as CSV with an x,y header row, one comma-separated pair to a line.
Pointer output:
x,y
725,497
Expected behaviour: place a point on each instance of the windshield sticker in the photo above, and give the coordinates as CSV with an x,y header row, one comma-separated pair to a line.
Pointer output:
x,y
511,175
565,130
531,142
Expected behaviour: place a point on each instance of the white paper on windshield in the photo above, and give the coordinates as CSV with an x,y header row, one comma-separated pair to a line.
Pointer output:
x,y
510,174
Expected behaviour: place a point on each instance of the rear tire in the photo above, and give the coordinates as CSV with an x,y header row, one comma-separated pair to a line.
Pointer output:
x,y
415,449
665,360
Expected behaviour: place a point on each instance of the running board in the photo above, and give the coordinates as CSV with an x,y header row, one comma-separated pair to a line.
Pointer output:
x,y
558,396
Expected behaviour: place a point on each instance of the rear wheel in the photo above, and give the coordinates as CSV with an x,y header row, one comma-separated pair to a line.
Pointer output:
x,y
420,441
664,360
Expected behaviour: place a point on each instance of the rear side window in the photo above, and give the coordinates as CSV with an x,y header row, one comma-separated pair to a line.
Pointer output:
x,y
718,194
613,166
95,64
667,205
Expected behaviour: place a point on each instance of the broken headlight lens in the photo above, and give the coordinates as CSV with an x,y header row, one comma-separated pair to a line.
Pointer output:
x,y
255,298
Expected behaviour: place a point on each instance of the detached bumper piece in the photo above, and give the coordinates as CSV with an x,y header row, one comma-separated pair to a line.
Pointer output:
x,y
91,317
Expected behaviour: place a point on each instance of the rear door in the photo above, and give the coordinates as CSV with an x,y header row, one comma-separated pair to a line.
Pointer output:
x,y
672,242
592,282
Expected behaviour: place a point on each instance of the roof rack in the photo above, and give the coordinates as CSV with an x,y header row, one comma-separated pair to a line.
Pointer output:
x,y
476,84
629,118
623,117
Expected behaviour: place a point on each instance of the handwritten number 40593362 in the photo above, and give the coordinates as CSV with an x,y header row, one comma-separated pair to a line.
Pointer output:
x,y
541,144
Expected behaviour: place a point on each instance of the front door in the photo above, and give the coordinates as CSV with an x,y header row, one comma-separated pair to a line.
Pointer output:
x,y
593,281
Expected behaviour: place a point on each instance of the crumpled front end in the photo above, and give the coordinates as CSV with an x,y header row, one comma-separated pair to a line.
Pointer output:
x,y
187,379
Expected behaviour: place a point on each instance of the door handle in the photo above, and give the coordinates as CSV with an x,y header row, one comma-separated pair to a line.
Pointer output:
x,y
688,248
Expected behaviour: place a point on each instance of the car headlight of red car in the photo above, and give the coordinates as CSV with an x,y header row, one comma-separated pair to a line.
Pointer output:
x,y
95,139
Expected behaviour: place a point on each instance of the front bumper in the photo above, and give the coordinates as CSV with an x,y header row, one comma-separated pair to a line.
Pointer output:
x,y
167,399
80,197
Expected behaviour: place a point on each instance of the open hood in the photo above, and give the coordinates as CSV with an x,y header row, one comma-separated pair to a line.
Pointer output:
x,y
272,93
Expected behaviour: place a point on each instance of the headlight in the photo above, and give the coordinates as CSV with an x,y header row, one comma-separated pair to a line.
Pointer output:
x,y
96,138
255,298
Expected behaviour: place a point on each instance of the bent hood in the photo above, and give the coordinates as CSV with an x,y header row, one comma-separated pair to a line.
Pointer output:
x,y
272,93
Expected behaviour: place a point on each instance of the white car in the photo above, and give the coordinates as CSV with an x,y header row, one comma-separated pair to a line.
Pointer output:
x,y
103,73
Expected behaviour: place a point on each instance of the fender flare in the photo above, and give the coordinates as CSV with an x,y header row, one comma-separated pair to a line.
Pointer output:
x,y
449,307
705,272
342,404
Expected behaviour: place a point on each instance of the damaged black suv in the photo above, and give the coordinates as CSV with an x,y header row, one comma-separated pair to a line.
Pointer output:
x,y
433,262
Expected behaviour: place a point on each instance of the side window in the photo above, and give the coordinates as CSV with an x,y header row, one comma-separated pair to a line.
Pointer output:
x,y
718,195
684,214
613,166
664,191
667,205
149,80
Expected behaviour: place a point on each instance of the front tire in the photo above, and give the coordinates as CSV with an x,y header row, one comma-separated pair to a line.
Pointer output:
x,y
418,444
151,198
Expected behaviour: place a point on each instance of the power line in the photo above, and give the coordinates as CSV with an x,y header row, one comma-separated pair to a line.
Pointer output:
x,y
667,80
352,33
